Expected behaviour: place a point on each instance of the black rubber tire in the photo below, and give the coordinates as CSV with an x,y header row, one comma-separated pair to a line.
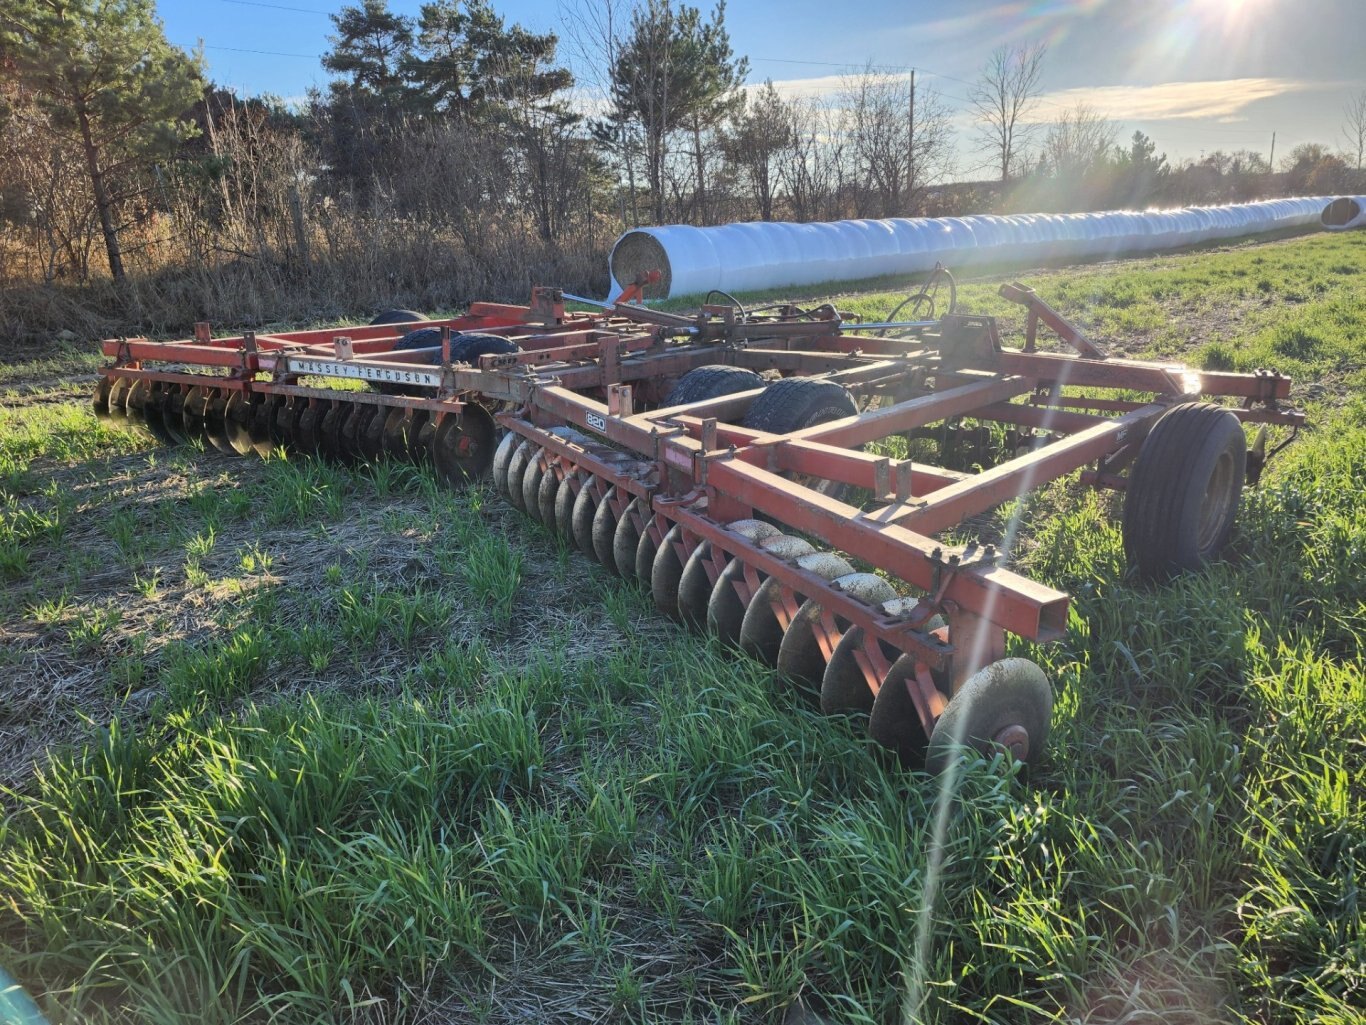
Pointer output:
x,y
1184,490
420,338
798,402
396,317
710,383
468,347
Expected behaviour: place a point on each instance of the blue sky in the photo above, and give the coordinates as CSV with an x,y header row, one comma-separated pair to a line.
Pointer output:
x,y
1196,75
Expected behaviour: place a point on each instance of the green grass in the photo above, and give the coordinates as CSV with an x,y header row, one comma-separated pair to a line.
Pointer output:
x,y
378,751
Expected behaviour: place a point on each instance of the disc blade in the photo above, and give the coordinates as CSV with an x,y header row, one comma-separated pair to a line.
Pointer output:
x,y
215,421
118,400
625,537
99,399
894,722
501,457
307,433
1006,705
761,632
666,571
517,465
548,496
330,429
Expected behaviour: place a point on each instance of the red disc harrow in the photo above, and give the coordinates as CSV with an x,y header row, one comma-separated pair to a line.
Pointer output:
x,y
780,478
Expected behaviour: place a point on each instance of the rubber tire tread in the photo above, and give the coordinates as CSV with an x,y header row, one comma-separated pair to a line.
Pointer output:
x,y
1184,444
710,383
798,402
395,317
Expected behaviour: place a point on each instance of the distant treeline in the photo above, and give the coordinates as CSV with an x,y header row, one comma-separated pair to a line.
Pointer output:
x,y
451,158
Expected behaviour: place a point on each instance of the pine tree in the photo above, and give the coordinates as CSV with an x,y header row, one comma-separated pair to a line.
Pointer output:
x,y
675,72
107,78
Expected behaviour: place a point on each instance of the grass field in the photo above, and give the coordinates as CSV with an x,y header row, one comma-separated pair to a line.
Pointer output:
x,y
291,742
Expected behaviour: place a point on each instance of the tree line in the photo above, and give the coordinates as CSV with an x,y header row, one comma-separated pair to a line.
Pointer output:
x,y
453,143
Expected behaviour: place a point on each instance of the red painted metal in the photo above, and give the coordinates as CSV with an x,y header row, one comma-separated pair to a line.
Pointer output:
x,y
587,389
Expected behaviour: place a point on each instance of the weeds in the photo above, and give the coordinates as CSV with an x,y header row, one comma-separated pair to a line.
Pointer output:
x,y
512,795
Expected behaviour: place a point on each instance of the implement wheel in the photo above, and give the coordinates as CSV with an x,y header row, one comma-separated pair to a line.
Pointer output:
x,y
1184,490
710,383
396,317
797,402
1005,706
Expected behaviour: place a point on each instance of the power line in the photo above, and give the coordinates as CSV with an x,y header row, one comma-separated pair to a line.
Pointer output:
x,y
267,53
277,7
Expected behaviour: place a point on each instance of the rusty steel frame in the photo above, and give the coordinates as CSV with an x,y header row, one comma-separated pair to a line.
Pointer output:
x,y
699,468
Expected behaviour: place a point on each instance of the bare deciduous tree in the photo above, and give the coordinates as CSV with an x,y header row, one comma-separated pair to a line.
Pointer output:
x,y
1354,126
1005,94
1078,142
812,170
900,140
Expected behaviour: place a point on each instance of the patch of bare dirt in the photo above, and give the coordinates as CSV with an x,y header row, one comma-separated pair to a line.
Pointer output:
x,y
86,631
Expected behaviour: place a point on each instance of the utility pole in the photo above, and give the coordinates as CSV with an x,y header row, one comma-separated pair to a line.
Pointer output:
x,y
1271,164
910,150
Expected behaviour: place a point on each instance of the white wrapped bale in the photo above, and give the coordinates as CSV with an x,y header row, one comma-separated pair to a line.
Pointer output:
x,y
761,255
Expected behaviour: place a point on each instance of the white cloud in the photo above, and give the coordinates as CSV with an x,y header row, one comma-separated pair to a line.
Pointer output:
x,y
1223,99
820,87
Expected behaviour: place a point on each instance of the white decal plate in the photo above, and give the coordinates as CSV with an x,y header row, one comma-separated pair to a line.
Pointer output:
x,y
361,372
